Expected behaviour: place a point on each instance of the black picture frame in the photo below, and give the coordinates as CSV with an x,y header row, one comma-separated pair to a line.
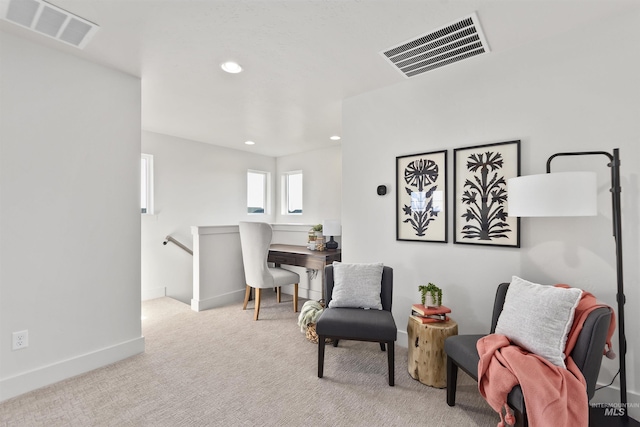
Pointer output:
x,y
480,208
421,197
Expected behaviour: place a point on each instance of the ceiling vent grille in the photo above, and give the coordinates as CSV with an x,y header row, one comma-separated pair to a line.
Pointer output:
x,y
50,20
448,44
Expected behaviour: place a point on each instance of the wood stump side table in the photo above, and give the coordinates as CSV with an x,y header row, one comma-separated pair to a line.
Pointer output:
x,y
427,359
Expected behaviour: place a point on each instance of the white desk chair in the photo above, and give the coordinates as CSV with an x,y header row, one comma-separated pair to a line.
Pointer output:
x,y
255,239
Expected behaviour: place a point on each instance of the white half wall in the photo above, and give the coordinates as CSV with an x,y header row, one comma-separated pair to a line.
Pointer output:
x,y
69,215
576,92
218,271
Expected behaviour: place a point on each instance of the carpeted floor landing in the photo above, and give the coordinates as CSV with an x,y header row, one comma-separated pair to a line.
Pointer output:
x,y
220,368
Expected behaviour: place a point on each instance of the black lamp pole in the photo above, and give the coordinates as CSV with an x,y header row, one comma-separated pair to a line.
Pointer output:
x,y
614,164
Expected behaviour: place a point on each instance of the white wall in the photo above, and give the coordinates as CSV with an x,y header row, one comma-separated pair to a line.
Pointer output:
x,y
196,184
322,199
69,215
576,92
322,181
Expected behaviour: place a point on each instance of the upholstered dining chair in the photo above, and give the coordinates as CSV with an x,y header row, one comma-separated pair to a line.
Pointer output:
x,y
255,239
357,316
587,354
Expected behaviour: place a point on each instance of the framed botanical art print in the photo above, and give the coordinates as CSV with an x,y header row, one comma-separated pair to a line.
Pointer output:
x,y
421,191
481,205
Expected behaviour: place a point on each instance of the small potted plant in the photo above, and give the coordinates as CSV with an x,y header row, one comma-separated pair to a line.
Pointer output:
x,y
315,232
433,292
319,237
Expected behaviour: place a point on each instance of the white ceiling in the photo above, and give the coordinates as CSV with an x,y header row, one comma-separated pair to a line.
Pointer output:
x,y
301,58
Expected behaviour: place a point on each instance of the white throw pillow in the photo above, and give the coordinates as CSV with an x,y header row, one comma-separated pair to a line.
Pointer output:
x,y
356,285
538,318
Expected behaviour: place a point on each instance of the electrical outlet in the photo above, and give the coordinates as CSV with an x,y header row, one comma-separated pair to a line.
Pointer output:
x,y
20,340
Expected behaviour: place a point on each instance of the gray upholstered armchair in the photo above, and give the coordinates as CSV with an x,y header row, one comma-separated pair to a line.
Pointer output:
x,y
587,354
357,323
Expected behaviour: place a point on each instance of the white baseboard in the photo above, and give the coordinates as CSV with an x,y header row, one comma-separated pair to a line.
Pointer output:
x,y
154,293
310,294
303,292
44,376
402,339
217,301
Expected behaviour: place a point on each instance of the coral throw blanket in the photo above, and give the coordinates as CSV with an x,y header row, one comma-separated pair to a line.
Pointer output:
x,y
553,395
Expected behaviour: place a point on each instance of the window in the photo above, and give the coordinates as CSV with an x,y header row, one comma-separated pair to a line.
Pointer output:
x,y
292,193
146,184
257,192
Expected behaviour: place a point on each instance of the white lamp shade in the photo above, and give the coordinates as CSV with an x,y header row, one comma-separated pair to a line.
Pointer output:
x,y
553,194
331,227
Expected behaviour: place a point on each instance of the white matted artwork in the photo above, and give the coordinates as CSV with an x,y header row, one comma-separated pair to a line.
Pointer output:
x,y
421,191
481,202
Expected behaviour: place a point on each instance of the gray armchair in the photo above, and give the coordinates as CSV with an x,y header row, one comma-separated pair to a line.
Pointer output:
x,y
357,323
587,354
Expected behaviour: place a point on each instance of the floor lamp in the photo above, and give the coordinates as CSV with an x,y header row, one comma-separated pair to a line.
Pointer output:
x,y
575,194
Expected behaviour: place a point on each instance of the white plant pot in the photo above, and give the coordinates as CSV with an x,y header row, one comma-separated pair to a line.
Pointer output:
x,y
431,302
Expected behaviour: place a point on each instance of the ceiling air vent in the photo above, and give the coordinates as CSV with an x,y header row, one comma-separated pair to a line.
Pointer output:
x,y
50,20
448,44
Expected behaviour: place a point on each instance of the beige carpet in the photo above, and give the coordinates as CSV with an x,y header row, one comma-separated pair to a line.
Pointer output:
x,y
220,368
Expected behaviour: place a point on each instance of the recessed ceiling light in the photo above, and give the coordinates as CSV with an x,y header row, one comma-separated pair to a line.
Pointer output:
x,y
231,67
250,143
335,138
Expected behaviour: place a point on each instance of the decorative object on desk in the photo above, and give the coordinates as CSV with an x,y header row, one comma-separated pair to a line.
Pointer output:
x,y
314,232
320,244
433,293
311,236
481,196
331,228
574,194
421,197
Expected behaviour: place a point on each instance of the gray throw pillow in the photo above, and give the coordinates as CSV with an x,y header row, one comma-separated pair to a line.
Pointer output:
x,y
538,318
356,285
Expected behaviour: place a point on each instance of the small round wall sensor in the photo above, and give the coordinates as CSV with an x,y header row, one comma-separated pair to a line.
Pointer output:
x,y
382,190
